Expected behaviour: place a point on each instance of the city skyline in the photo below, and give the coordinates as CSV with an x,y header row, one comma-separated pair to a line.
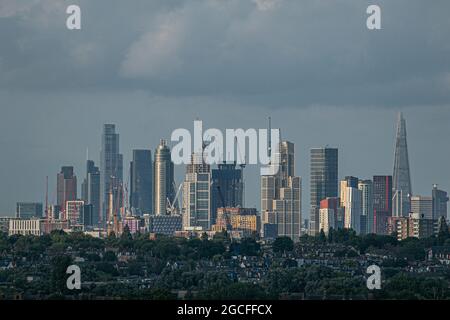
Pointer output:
x,y
315,68
80,172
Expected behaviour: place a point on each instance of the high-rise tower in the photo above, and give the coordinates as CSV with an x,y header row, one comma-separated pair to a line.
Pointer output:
x,y
66,186
197,194
382,203
111,167
401,182
141,176
227,188
91,190
163,186
324,181
281,195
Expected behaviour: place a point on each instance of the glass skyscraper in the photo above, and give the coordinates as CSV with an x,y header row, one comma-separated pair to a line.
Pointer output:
x,y
141,177
91,190
402,190
111,168
227,187
323,182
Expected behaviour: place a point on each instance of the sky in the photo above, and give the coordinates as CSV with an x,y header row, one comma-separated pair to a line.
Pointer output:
x,y
154,66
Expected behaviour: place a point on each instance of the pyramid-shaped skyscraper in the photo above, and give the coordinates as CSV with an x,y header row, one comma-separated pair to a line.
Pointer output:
x,y
402,190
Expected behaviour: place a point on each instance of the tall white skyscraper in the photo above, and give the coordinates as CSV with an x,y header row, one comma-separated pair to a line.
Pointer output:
x,y
163,179
197,194
353,209
366,187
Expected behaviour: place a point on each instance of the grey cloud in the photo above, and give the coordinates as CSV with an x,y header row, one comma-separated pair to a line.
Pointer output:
x,y
273,52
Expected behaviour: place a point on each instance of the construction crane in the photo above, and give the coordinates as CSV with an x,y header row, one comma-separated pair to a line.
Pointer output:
x,y
242,165
171,206
47,227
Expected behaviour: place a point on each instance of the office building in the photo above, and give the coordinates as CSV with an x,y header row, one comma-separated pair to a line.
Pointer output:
x,y
323,182
28,210
328,214
382,203
353,209
366,187
91,191
349,181
281,195
197,194
74,212
422,206
111,170
141,178
227,188
402,190
440,199
287,209
164,185
66,186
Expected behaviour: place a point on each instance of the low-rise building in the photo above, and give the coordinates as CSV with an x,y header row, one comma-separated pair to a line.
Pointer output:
x,y
26,227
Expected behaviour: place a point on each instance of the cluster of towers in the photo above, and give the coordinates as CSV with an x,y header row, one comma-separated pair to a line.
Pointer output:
x,y
364,205
150,189
369,206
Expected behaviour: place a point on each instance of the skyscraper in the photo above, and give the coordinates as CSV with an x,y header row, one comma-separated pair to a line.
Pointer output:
x,y
402,190
227,188
422,207
382,203
111,167
440,199
366,187
197,194
66,186
281,195
349,181
323,182
141,177
353,209
163,178
91,190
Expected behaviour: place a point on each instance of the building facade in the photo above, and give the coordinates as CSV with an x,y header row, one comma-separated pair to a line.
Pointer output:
x,y
281,195
366,187
28,210
440,199
227,188
422,206
141,178
163,187
66,186
382,203
111,169
323,182
91,191
402,189
197,194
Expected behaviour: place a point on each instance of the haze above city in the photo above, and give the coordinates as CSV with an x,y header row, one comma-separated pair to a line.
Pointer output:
x,y
313,67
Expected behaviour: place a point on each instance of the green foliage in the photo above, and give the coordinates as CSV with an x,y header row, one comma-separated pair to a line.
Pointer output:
x,y
247,247
283,244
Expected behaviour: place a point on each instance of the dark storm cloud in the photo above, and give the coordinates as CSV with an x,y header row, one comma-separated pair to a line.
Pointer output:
x,y
276,52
